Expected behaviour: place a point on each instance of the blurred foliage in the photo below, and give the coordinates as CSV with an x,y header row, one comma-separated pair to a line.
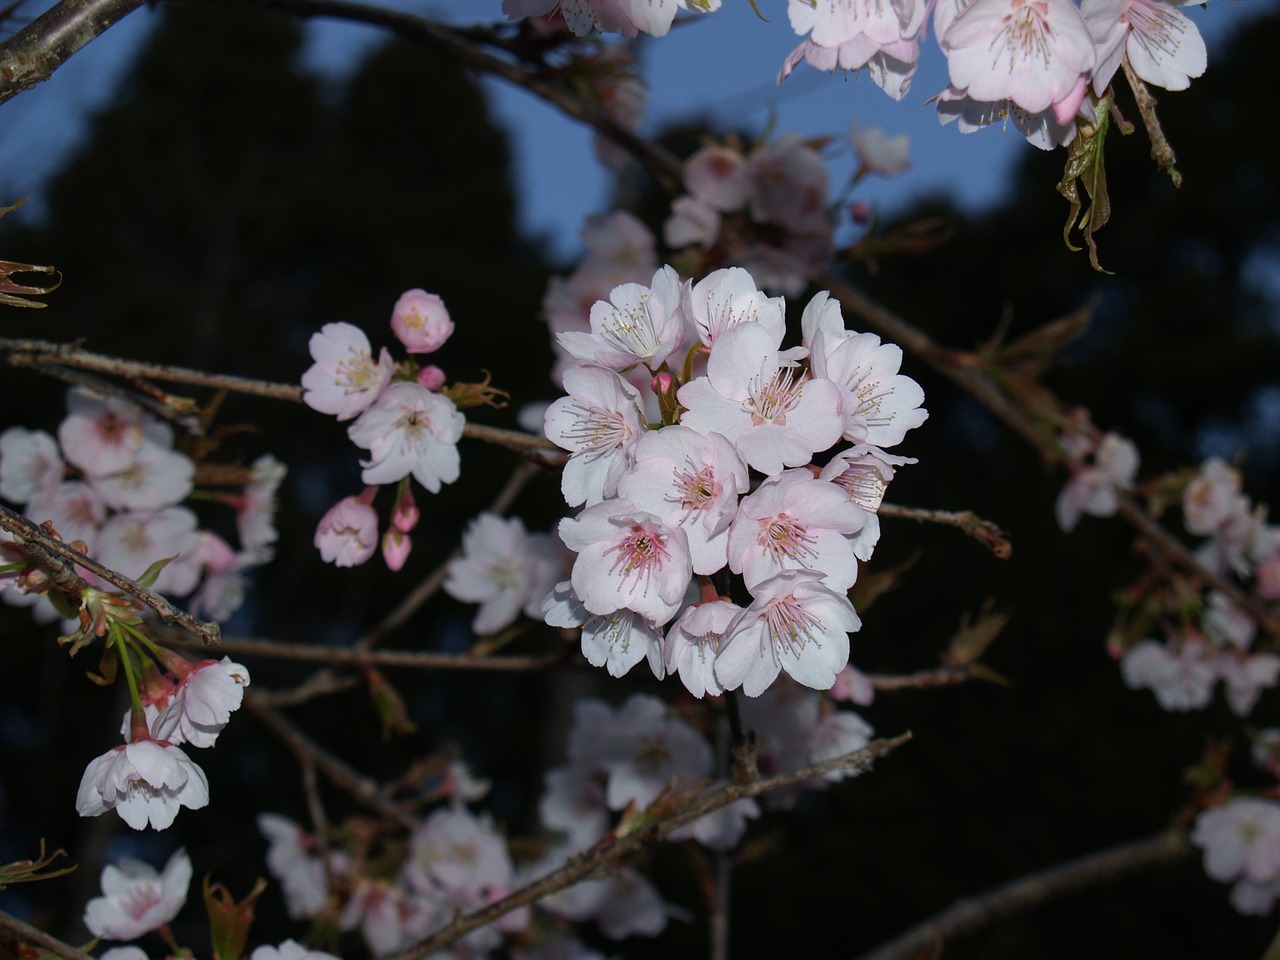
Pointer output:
x,y
217,216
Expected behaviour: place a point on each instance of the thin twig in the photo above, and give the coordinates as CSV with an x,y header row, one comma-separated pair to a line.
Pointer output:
x,y
41,939
973,913
945,676
319,822
322,683
1161,150
408,659
28,534
523,473
611,851
984,531
32,54
722,865
339,772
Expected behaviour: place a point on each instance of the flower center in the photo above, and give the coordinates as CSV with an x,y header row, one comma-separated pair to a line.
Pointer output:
x,y
864,485
696,490
770,401
786,538
597,432
640,554
790,626
357,372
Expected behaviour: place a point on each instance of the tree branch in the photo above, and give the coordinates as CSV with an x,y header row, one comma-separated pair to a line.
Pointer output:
x,y
610,851
984,531
40,938
409,659
32,54
973,913
29,534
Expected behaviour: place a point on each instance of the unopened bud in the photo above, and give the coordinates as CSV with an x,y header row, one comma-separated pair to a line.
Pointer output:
x,y
431,377
395,549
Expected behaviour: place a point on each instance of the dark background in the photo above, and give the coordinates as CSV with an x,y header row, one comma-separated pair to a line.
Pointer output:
x,y
217,218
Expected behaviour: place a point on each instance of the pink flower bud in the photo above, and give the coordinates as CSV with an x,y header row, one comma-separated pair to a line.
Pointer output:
x,y
431,377
405,516
662,383
860,212
395,549
421,321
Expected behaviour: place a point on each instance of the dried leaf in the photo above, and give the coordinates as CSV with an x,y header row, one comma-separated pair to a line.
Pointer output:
x,y
1086,168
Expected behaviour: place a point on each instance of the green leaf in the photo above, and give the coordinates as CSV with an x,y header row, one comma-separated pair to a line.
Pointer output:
x,y
1086,169
152,573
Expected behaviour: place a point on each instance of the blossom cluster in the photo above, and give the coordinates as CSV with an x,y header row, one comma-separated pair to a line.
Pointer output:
x,y
1217,641
1241,844
401,417
147,779
1042,65
770,465
112,483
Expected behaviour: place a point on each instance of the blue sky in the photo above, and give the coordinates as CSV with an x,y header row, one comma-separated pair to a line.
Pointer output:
x,y
721,66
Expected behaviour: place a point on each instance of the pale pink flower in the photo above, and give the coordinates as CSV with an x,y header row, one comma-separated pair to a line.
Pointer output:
x,y
290,950
158,476
796,624
390,917
891,65
1032,52
619,640
409,429
644,749
1162,45
1181,681
690,481
863,472
1093,489
420,321
879,405
75,508
29,462
599,422
1212,497
345,379
717,176
101,435
124,953
831,23
203,703
132,542
795,521
723,299
693,641
136,899
146,782
637,324
459,854
1228,624
854,686
256,510
1240,839
721,829
494,571
1255,899
836,735
292,861
887,156
762,402
628,559
623,904
789,186
1043,130
691,221
347,535
573,804
1246,676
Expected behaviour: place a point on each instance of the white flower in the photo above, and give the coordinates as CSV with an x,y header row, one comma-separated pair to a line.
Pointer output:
x,y
692,644
145,782
410,429
636,324
345,379
203,703
136,899
29,462
599,422
725,298
1240,839
1181,681
1162,45
496,570
290,950
795,624
880,154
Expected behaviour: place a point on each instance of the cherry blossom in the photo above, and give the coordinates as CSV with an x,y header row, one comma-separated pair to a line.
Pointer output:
x,y
573,804
1181,680
1212,497
691,221
203,703
717,176
789,186
637,324
347,535
796,624
619,640
29,462
1034,54
598,422
1043,130
1093,489
627,559
887,156
345,379
256,509
795,521
863,472
692,482
836,735
891,65
459,854
136,899
725,298
495,571
132,542
146,782
421,322
1240,839
409,429
762,402
101,435
289,950
1160,42
1246,676
693,641
291,860
75,508
158,476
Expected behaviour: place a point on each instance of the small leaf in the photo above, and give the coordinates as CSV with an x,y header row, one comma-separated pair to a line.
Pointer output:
x,y
24,871
152,573
1086,168
229,921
